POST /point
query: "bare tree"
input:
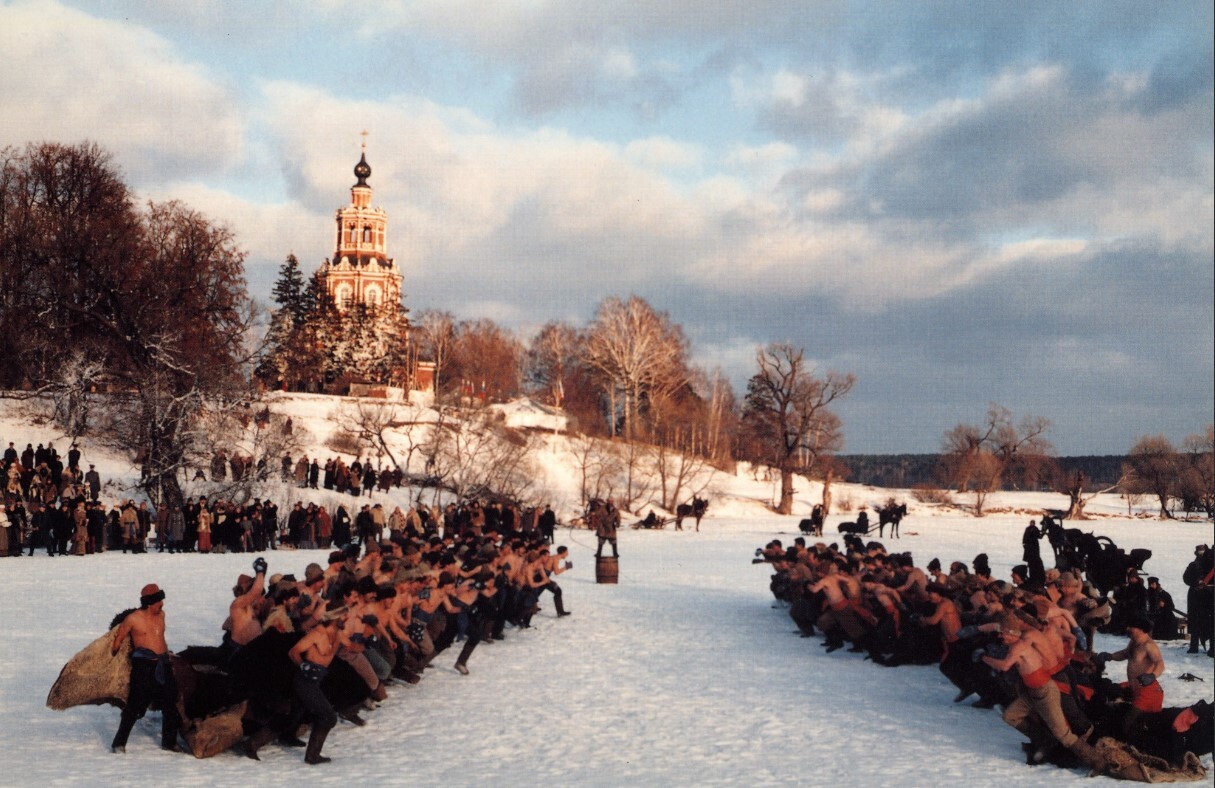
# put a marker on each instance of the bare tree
(1154, 469)
(598, 465)
(680, 474)
(786, 414)
(253, 434)
(487, 359)
(159, 295)
(551, 356)
(1198, 475)
(638, 352)
(436, 332)
(1073, 487)
(480, 456)
(373, 422)
(982, 454)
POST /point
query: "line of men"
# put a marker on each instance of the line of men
(378, 619)
(1026, 647)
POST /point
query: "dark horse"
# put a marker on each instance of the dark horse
(814, 523)
(892, 515)
(696, 509)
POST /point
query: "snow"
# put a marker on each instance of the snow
(529, 414)
(685, 673)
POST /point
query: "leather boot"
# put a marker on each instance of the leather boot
(1089, 756)
(316, 740)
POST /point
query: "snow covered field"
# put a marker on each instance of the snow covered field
(683, 674)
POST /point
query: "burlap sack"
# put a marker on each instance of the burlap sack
(215, 734)
(94, 676)
(1129, 763)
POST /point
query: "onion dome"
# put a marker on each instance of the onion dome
(362, 170)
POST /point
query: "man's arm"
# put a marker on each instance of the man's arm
(1157, 661)
(1014, 656)
(256, 591)
(124, 630)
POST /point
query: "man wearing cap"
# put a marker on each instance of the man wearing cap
(151, 673)
(312, 656)
(244, 623)
(1199, 600)
(1162, 611)
(93, 480)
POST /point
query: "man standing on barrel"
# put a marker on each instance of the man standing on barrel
(607, 520)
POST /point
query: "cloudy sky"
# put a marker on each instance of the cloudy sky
(962, 203)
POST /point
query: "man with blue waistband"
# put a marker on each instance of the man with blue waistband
(151, 673)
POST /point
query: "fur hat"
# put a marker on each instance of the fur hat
(150, 595)
(312, 573)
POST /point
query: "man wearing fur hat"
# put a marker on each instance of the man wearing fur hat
(244, 614)
(151, 673)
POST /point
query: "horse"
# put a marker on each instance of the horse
(891, 515)
(695, 509)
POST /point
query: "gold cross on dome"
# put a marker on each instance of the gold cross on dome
(363, 134)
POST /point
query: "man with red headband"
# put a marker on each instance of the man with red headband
(151, 673)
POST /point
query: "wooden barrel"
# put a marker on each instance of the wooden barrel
(607, 570)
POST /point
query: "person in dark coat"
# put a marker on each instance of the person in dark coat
(1131, 602)
(1031, 553)
(1161, 611)
(341, 526)
(1199, 599)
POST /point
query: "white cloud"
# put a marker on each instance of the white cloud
(664, 153)
(70, 77)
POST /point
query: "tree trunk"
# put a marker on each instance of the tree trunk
(1075, 494)
(786, 492)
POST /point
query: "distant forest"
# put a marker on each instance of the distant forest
(909, 470)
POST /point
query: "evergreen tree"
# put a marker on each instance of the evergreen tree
(289, 292)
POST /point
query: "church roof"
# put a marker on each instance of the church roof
(362, 171)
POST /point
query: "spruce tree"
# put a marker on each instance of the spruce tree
(289, 292)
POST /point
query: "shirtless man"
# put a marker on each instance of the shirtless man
(837, 588)
(554, 565)
(914, 588)
(151, 673)
(1144, 664)
(244, 623)
(1038, 696)
(312, 655)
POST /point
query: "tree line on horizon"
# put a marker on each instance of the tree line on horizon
(151, 304)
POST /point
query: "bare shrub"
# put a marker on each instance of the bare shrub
(925, 493)
(345, 442)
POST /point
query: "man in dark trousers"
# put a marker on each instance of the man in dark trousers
(1199, 599)
(607, 521)
(151, 673)
(1031, 554)
(548, 523)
